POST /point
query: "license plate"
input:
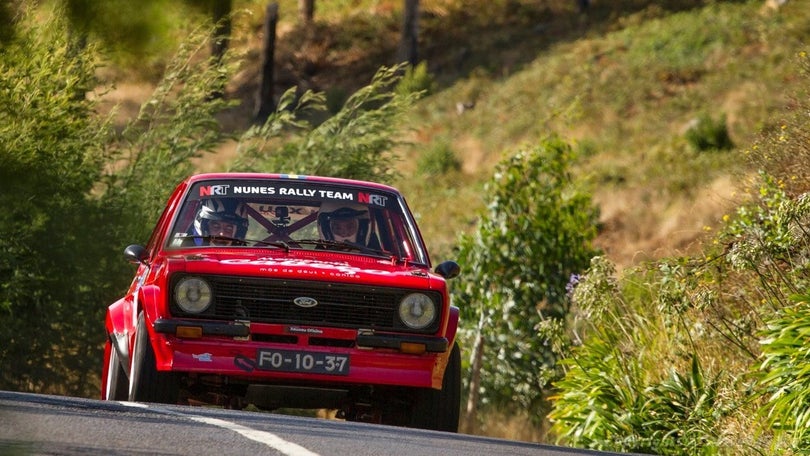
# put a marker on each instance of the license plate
(302, 361)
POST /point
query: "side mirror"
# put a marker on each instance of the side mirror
(448, 269)
(136, 254)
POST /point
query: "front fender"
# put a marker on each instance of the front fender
(151, 302)
(443, 358)
(452, 326)
(119, 327)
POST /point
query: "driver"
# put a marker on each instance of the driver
(221, 222)
(343, 224)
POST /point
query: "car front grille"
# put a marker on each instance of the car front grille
(273, 301)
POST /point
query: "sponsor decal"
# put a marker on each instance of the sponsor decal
(302, 190)
(203, 357)
(214, 190)
(306, 267)
(375, 200)
(300, 330)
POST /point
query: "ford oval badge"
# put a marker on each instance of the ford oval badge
(305, 302)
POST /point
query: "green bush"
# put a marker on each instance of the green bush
(51, 278)
(438, 160)
(785, 376)
(536, 232)
(355, 143)
(709, 133)
(616, 395)
(416, 80)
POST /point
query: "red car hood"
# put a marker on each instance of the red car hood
(306, 265)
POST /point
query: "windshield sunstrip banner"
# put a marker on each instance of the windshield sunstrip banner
(290, 190)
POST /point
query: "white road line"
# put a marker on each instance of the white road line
(266, 438)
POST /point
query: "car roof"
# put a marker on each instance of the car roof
(283, 177)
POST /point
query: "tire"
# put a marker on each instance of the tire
(439, 410)
(117, 384)
(146, 383)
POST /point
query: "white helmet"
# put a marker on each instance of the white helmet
(227, 210)
(345, 222)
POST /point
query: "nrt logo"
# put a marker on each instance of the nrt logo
(214, 190)
(368, 198)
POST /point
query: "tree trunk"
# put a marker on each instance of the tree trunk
(408, 47)
(476, 359)
(306, 11)
(264, 95)
(221, 15)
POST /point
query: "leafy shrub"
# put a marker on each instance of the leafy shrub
(416, 80)
(536, 232)
(53, 233)
(709, 133)
(610, 397)
(785, 375)
(438, 160)
(355, 143)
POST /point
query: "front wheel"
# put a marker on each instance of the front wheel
(146, 383)
(117, 385)
(439, 409)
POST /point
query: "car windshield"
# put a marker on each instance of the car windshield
(296, 214)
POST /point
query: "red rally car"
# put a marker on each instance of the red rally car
(288, 291)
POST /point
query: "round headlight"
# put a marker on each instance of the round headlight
(192, 294)
(417, 311)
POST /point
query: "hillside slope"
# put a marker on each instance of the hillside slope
(624, 96)
(622, 81)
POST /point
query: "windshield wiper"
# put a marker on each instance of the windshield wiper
(345, 246)
(279, 244)
(236, 241)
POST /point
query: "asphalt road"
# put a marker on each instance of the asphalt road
(32, 424)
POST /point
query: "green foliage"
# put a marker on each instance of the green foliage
(600, 401)
(176, 125)
(708, 133)
(355, 143)
(610, 398)
(742, 294)
(535, 234)
(51, 157)
(685, 411)
(136, 35)
(335, 98)
(417, 80)
(768, 241)
(77, 194)
(438, 160)
(786, 372)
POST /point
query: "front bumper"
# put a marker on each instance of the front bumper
(232, 349)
